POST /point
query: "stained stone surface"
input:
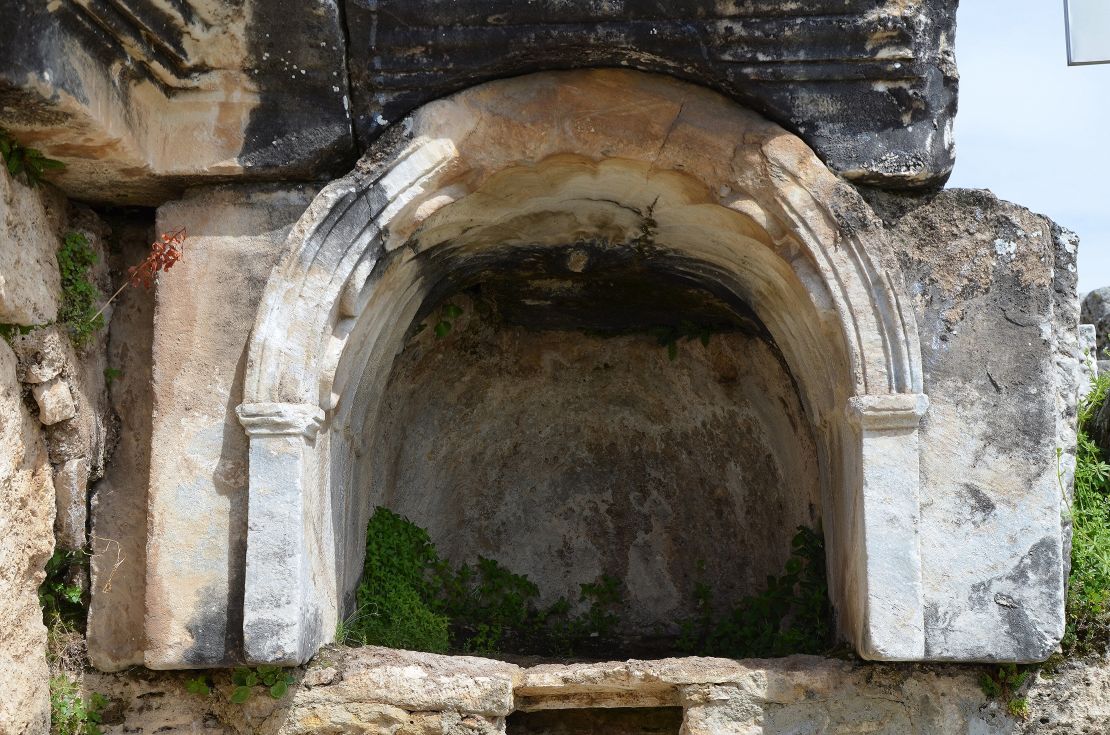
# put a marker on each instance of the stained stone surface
(141, 99)
(870, 85)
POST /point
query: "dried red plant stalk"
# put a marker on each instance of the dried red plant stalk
(164, 252)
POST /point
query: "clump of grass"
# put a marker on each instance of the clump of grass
(79, 294)
(1088, 626)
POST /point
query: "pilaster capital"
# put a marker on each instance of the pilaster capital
(889, 411)
(281, 419)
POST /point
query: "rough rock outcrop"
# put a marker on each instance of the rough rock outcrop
(56, 434)
(26, 542)
(30, 224)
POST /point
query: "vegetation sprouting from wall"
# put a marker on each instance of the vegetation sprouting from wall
(1088, 620)
(409, 597)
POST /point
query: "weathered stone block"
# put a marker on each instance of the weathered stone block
(993, 288)
(54, 400)
(870, 86)
(198, 473)
(140, 99)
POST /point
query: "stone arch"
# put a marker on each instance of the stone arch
(632, 159)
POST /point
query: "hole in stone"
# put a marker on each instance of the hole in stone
(587, 413)
(612, 721)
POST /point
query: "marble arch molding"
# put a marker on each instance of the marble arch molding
(550, 159)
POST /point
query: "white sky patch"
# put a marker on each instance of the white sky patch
(1032, 129)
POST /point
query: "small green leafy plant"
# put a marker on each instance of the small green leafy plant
(198, 685)
(274, 680)
(1003, 684)
(79, 294)
(791, 615)
(448, 313)
(111, 373)
(28, 163)
(70, 712)
(60, 599)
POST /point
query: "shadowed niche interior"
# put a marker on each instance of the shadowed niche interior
(612, 721)
(594, 412)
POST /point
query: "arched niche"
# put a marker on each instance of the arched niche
(726, 198)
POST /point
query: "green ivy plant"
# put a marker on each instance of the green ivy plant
(71, 713)
(27, 163)
(79, 294)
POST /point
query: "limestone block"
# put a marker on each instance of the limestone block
(30, 287)
(26, 542)
(788, 696)
(54, 400)
(423, 682)
(198, 477)
(348, 719)
(71, 485)
(998, 317)
(887, 123)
